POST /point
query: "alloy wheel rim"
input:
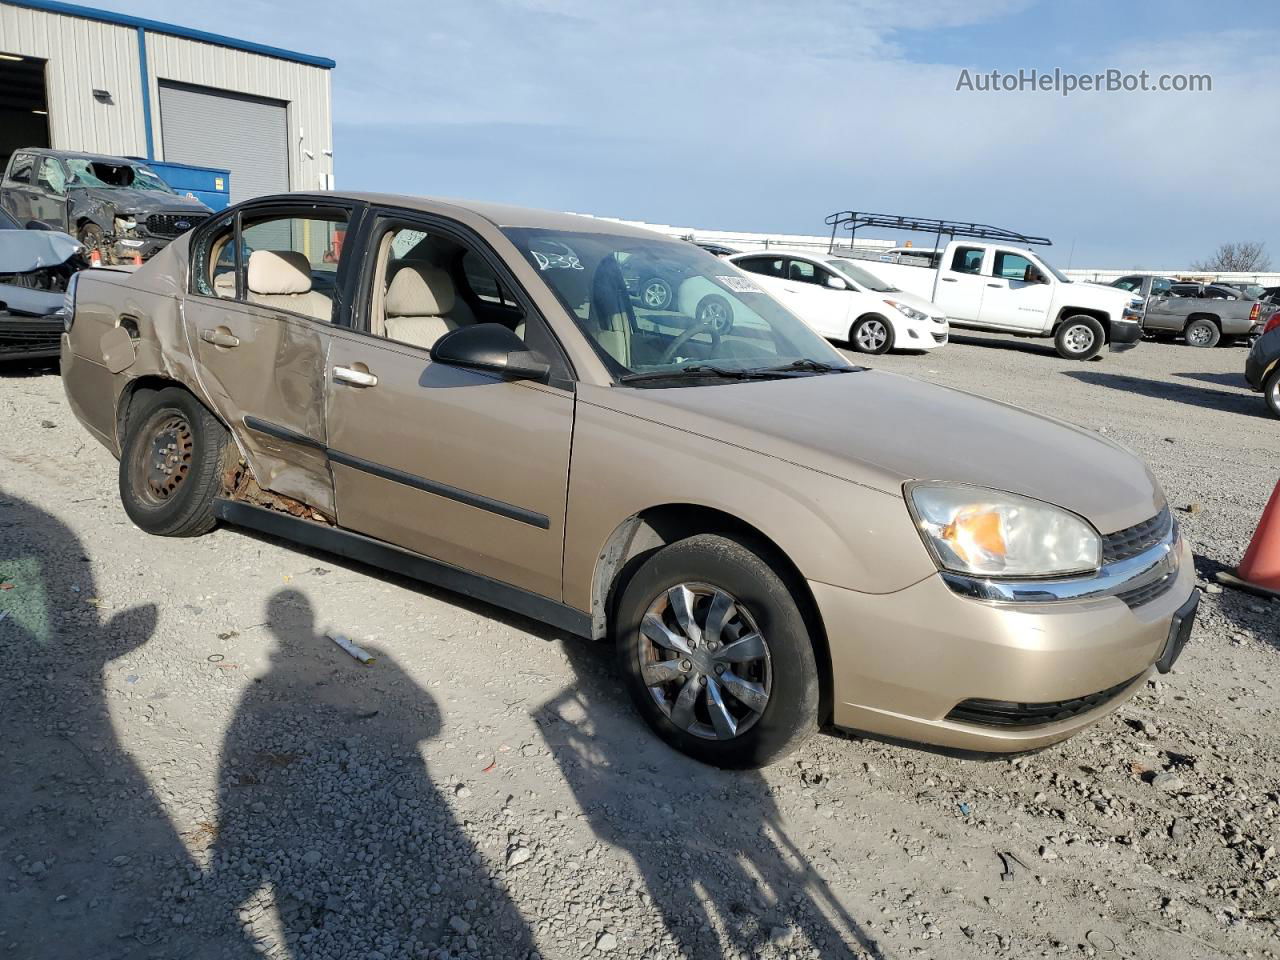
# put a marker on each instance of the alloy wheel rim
(165, 459)
(655, 295)
(1079, 339)
(1198, 335)
(872, 335)
(705, 662)
(715, 315)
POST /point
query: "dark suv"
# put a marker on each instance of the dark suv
(114, 205)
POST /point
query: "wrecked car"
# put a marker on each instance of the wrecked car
(771, 537)
(115, 206)
(36, 267)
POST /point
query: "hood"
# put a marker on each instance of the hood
(916, 302)
(1089, 294)
(24, 251)
(128, 200)
(881, 430)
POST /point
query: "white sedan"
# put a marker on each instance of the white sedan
(840, 299)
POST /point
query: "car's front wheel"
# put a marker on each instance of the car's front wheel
(716, 653)
(1202, 333)
(871, 334)
(1079, 338)
(171, 464)
(656, 293)
(715, 310)
(1271, 391)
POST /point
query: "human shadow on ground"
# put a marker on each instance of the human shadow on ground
(1179, 392)
(82, 835)
(332, 839)
(711, 846)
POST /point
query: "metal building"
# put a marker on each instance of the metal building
(77, 78)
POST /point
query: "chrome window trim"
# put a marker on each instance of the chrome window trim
(1153, 565)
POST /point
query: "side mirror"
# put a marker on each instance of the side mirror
(493, 348)
(837, 283)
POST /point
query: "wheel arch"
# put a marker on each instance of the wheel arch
(1066, 313)
(639, 535)
(1202, 315)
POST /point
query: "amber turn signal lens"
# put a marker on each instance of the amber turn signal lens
(976, 536)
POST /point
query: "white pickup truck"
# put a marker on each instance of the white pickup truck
(991, 286)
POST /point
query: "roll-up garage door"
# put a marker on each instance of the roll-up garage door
(217, 128)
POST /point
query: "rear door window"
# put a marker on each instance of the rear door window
(764, 266)
(967, 260)
(20, 172)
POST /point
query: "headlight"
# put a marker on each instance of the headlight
(911, 312)
(69, 303)
(989, 533)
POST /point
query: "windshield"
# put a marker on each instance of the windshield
(664, 306)
(98, 173)
(1062, 277)
(861, 277)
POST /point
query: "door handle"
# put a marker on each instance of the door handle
(220, 337)
(949, 280)
(994, 285)
(357, 378)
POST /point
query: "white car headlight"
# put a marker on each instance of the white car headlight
(907, 311)
(989, 533)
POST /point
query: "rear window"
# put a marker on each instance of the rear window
(20, 172)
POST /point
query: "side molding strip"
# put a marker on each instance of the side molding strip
(500, 507)
(377, 553)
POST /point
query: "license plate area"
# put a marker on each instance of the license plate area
(1179, 632)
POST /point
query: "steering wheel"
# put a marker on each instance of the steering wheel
(669, 354)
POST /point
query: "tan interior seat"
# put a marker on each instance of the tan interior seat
(224, 285)
(421, 306)
(282, 278)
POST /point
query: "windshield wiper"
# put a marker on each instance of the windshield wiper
(700, 370)
(806, 364)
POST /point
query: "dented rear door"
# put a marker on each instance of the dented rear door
(263, 370)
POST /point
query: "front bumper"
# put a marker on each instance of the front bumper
(29, 338)
(920, 335)
(904, 664)
(1125, 333)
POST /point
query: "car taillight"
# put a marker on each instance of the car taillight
(1255, 313)
(1273, 323)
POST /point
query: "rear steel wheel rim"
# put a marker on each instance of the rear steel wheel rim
(872, 335)
(1079, 339)
(1199, 335)
(164, 458)
(704, 661)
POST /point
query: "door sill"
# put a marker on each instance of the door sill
(387, 556)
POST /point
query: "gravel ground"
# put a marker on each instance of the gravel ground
(192, 769)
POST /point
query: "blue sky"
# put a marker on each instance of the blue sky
(758, 115)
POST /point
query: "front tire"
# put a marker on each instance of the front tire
(1202, 333)
(716, 653)
(171, 464)
(716, 311)
(1271, 391)
(871, 334)
(1079, 338)
(656, 294)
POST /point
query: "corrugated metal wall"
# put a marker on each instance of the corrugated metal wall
(84, 55)
(304, 88)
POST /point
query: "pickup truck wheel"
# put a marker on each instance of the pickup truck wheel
(871, 334)
(171, 464)
(1202, 333)
(1271, 391)
(1079, 338)
(90, 235)
(716, 654)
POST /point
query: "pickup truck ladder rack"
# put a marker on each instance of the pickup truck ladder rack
(851, 220)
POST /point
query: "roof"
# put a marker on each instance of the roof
(502, 215)
(172, 30)
(81, 155)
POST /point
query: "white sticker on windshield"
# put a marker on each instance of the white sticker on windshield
(739, 284)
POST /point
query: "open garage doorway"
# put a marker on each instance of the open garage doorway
(24, 107)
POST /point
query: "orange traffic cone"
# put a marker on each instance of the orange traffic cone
(1259, 571)
(137, 259)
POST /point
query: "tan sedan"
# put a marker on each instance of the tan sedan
(772, 537)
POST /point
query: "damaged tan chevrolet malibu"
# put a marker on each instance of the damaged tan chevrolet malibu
(772, 538)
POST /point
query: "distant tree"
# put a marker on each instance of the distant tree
(1246, 257)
